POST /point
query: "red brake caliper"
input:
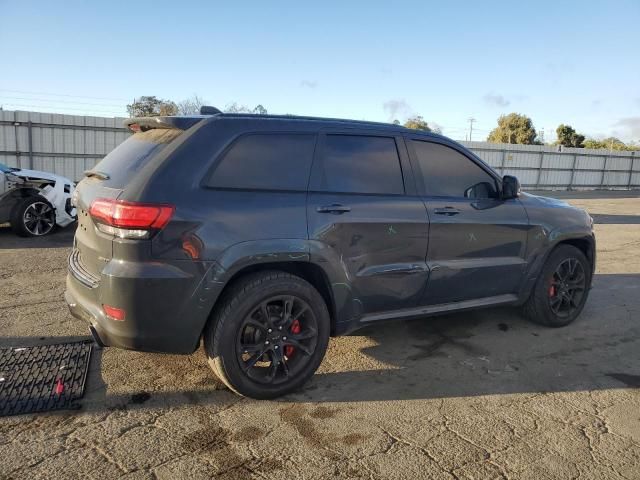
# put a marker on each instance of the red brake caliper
(552, 290)
(295, 328)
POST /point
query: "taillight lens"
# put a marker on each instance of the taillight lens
(114, 313)
(130, 219)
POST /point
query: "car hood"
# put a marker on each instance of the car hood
(546, 201)
(554, 212)
(38, 175)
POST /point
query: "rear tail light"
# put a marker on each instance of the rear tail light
(114, 313)
(130, 219)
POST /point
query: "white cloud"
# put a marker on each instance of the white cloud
(397, 108)
(309, 83)
(496, 100)
(630, 128)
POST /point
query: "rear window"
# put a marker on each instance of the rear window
(361, 164)
(134, 153)
(266, 162)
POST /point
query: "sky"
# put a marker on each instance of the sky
(572, 62)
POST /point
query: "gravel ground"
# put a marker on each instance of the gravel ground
(473, 395)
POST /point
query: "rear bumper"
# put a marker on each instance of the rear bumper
(166, 307)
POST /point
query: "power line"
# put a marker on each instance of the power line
(60, 95)
(59, 110)
(31, 99)
(471, 120)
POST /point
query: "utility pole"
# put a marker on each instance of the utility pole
(542, 136)
(471, 120)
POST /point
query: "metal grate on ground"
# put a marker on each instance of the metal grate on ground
(43, 378)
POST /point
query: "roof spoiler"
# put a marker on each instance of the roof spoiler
(209, 110)
(142, 124)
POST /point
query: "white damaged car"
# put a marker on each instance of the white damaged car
(35, 202)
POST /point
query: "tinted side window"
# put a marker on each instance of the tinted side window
(270, 161)
(448, 173)
(361, 164)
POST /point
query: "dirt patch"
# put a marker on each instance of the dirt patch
(246, 434)
(354, 439)
(207, 438)
(324, 412)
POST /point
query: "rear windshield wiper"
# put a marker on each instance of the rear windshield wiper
(97, 174)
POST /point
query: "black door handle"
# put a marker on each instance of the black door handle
(446, 211)
(335, 208)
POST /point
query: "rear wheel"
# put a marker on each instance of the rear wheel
(33, 217)
(562, 288)
(268, 336)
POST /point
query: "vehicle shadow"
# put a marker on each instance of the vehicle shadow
(607, 219)
(486, 352)
(496, 351)
(59, 238)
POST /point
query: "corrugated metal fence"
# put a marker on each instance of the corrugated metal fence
(63, 144)
(544, 167)
(70, 144)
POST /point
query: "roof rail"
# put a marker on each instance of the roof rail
(209, 110)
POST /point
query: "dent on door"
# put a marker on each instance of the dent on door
(477, 252)
(374, 255)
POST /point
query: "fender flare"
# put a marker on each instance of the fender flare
(555, 237)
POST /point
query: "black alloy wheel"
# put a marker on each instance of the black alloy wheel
(567, 287)
(268, 334)
(277, 339)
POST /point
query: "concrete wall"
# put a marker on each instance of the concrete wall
(70, 144)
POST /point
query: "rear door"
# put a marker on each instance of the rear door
(364, 214)
(477, 241)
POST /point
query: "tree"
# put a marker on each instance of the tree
(237, 108)
(260, 110)
(151, 106)
(417, 123)
(610, 143)
(396, 122)
(514, 128)
(568, 137)
(191, 106)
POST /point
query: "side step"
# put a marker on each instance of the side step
(441, 308)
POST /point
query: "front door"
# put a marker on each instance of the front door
(477, 241)
(366, 224)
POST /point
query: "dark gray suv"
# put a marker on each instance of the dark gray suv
(265, 235)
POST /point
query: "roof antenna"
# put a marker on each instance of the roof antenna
(208, 110)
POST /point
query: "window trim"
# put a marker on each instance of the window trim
(420, 185)
(235, 139)
(318, 161)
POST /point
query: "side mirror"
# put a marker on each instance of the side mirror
(510, 187)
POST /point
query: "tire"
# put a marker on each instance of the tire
(239, 330)
(548, 291)
(23, 214)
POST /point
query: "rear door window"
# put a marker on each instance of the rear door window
(134, 153)
(360, 164)
(266, 161)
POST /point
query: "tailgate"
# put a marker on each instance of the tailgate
(92, 249)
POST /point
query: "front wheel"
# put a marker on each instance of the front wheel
(33, 217)
(562, 288)
(268, 336)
